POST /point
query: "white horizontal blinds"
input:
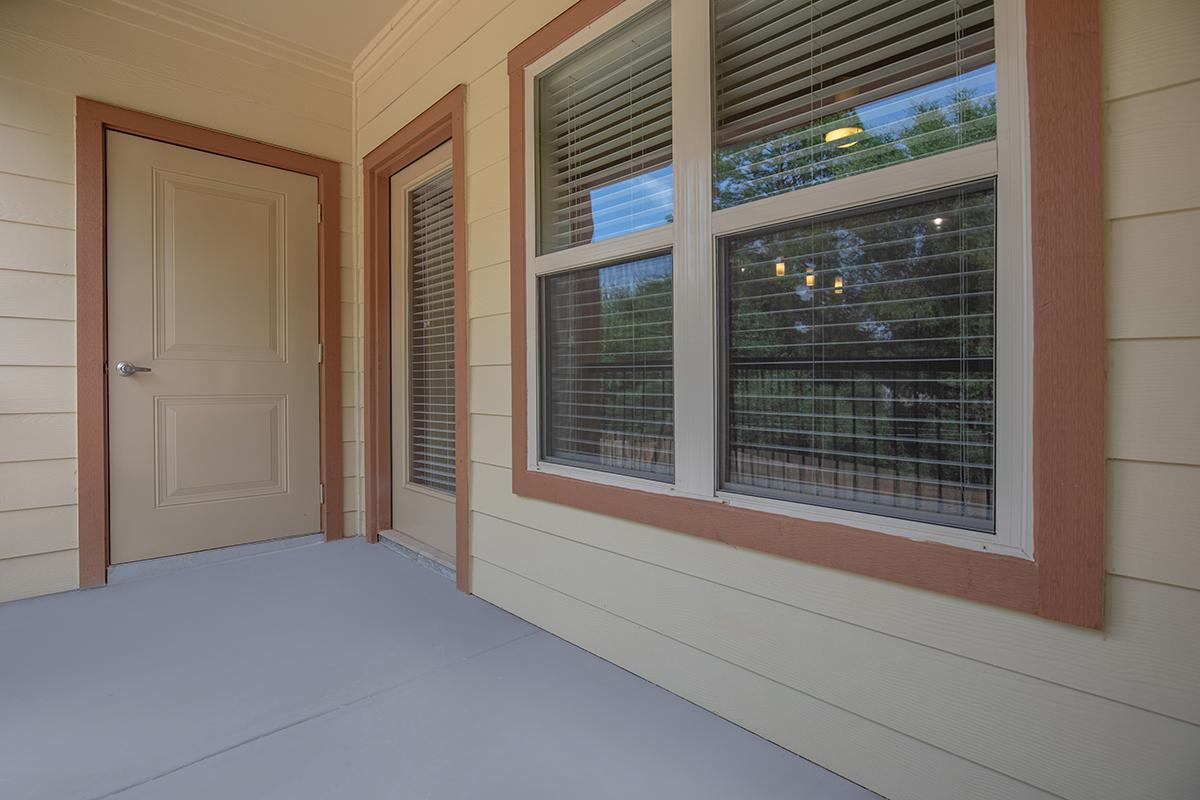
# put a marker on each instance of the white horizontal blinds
(807, 91)
(607, 380)
(860, 358)
(604, 136)
(431, 333)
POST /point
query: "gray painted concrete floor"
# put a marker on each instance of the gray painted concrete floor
(344, 671)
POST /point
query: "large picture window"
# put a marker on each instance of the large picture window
(786, 272)
(862, 213)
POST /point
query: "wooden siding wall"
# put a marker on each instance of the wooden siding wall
(913, 694)
(178, 65)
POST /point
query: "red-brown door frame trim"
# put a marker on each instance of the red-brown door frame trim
(443, 121)
(1065, 581)
(92, 120)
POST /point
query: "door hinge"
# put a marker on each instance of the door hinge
(320, 352)
(321, 486)
(320, 213)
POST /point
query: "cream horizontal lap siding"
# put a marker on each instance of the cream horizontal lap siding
(194, 69)
(913, 694)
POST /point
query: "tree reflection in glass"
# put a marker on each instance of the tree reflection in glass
(607, 377)
(946, 115)
(863, 376)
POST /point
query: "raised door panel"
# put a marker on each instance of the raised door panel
(220, 448)
(219, 247)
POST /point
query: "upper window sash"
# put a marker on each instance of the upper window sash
(602, 117)
(811, 92)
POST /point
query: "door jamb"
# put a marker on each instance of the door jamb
(92, 120)
(443, 121)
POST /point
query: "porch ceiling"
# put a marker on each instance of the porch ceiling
(340, 30)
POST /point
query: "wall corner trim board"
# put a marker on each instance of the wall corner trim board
(1065, 580)
(444, 121)
(92, 120)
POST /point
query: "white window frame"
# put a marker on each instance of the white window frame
(692, 240)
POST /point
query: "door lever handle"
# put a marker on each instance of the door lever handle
(125, 369)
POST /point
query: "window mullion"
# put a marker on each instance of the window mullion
(695, 337)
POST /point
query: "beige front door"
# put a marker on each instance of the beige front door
(423, 423)
(212, 286)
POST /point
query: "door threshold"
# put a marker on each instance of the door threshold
(120, 573)
(429, 557)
